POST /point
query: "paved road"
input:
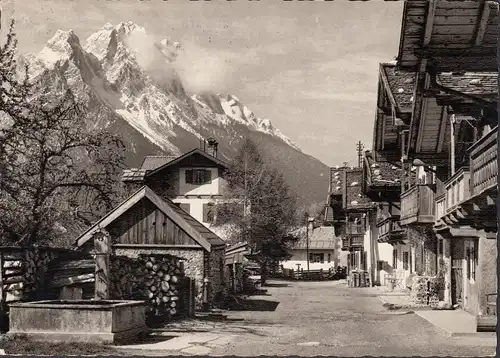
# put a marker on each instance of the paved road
(319, 318)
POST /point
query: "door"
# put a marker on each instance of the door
(457, 278)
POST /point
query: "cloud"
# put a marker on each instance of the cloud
(362, 97)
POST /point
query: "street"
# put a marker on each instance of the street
(314, 318)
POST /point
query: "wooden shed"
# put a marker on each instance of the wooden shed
(145, 224)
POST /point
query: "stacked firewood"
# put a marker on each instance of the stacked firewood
(161, 277)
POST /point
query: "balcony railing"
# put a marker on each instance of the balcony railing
(440, 206)
(457, 189)
(483, 163)
(389, 227)
(356, 241)
(355, 229)
(417, 205)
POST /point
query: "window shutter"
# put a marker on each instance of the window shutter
(208, 176)
(189, 176)
(186, 207)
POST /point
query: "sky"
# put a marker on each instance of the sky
(309, 67)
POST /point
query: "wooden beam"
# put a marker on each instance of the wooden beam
(429, 21)
(482, 25)
(442, 130)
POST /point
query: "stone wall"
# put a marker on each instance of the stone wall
(486, 271)
(218, 288)
(193, 264)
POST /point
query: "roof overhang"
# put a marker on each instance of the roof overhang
(449, 35)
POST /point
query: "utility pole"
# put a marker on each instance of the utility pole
(359, 149)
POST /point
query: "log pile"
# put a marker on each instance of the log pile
(157, 279)
(162, 276)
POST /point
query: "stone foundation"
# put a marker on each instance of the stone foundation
(419, 290)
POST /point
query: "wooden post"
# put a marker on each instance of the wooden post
(2, 295)
(447, 273)
(102, 247)
(452, 143)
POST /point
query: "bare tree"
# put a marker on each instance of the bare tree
(55, 163)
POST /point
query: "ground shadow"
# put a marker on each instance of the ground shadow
(252, 305)
(146, 339)
(276, 285)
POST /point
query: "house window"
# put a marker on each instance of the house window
(395, 259)
(317, 258)
(329, 257)
(208, 213)
(406, 260)
(198, 176)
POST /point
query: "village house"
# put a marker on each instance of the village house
(445, 142)
(322, 246)
(394, 259)
(194, 181)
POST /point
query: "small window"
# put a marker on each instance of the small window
(329, 257)
(395, 259)
(198, 176)
(317, 258)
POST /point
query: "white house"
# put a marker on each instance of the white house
(194, 181)
(324, 249)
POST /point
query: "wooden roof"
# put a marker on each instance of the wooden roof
(380, 173)
(321, 238)
(451, 35)
(196, 230)
(354, 198)
(399, 85)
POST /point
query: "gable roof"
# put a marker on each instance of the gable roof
(196, 230)
(322, 237)
(216, 161)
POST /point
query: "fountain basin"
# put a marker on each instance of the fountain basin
(96, 321)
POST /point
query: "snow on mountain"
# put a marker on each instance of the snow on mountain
(130, 81)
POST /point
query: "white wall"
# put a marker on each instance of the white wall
(300, 257)
(385, 254)
(195, 207)
(212, 188)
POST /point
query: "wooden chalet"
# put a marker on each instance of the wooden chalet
(145, 223)
(451, 143)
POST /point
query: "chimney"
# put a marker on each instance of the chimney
(212, 147)
(310, 223)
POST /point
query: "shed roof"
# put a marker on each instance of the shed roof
(473, 83)
(400, 83)
(354, 198)
(199, 232)
(133, 175)
(381, 172)
(321, 238)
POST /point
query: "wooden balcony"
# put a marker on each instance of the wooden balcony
(483, 164)
(450, 210)
(390, 230)
(418, 205)
(356, 241)
(481, 204)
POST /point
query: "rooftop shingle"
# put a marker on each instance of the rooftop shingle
(401, 84)
(152, 162)
(474, 83)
